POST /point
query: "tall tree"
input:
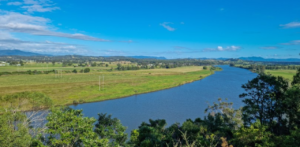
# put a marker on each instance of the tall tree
(296, 78)
(265, 101)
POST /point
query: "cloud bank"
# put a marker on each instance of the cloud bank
(7, 41)
(221, 49)
(21, 23)
(32, 6)
(291, 25)
(270, 47)
(294, 42)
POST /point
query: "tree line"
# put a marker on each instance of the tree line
(36, 72)
(70, 60)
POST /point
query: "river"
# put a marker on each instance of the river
(175, 104)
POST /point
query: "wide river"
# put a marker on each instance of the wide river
(175, 104)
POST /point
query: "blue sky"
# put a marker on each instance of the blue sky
(169, 28)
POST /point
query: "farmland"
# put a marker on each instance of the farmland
(287, 74)
(69, 88)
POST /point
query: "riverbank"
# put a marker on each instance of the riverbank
(285, 73)
(84, 88)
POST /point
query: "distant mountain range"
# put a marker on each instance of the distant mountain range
(22, 53)
(269, 59)
(18, 53)
(260, 59)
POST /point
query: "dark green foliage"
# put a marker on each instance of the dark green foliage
(292, 140)
(94, 64)
(199, 133)
(255, 135)
(152, 134)
(111, 128)
(22, 63)
(292, 103)
(265, 101)
(86, 70)
(26, 72)
(74, 71)
(296, 78)
(257, 68)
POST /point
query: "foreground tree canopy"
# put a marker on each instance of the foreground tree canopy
(270, 117)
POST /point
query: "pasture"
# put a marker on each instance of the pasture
(84, 87)
(287, 74)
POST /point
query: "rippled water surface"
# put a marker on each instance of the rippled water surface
(176, 104)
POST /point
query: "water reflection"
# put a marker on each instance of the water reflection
(175, 104)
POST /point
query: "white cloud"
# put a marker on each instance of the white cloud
(5, 35)
(34, 2)
(39, 6)
(32, 6)
(291, 25)
(14, 3)
(294, 42)
(9, 42)
(165, 25)
(220, 48)
(16, 22)
(270, 47)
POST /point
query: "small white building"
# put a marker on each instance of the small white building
(149, 65)
(2, 63)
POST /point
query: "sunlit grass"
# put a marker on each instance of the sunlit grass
(287, 74)
(85, 86)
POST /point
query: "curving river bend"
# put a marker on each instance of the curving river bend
(175, 104)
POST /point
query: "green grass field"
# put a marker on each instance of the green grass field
(50, 66)
(85, 86)
(287, 74)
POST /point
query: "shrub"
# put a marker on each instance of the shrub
(75, 102)
(81, 101)
(86, 70)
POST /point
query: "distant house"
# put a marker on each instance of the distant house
(2, 63)
(150, 65)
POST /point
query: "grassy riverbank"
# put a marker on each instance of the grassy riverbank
(84, 87)
(287, 74)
